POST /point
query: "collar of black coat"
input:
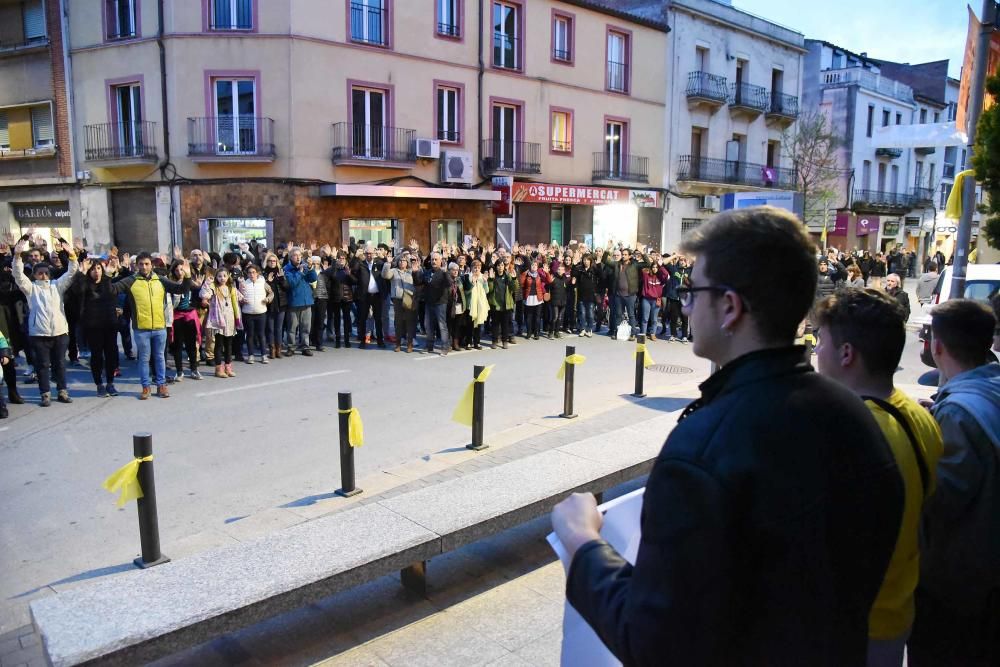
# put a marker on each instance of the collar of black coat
(752, 367)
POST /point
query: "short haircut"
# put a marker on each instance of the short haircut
(143, 255)
(965, 328)
(870, 320)
(780, 289)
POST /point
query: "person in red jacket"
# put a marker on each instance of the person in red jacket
(652, 280)
(533, 288)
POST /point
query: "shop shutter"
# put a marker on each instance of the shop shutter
(34, 20)
(133, 212)
(41, 125)
(4, 132)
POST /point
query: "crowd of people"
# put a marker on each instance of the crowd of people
(255, 304)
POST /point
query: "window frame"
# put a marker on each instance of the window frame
(211, 76)
(459, 21)
(553, 110)
(136, 20)
(627, 37)
(388, 91)
(519, 122)
(208, 7)
(111, 87)
(459, 88)
(570, 19)
(52, 127)
(519, 50)
(387, 7)
(623, 150)
(870, 121)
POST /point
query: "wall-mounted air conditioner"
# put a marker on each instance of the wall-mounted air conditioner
(456, 167)
(428, 148)
(709, 203)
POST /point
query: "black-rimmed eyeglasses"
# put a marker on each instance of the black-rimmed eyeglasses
(686, 294)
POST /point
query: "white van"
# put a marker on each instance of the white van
(982, 281)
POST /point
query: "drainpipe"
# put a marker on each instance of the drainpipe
(479, 93)
(68, 85)
(174, 235)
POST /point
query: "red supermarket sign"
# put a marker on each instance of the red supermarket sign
(545, 193)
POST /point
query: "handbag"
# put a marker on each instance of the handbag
(408, 303)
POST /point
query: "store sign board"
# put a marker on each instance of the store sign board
(840, 225)
(546, 193)
(48, 213)
(643, 198)
(868, 224)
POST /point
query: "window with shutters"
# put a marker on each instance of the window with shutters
(33, 17)
(4, 132)
(41, 127)
(121, 19)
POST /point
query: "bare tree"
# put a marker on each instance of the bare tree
(812, 146)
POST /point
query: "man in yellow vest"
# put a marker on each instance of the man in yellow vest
(147, 294)
(861, 337)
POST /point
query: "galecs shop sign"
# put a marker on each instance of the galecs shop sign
(544, 193)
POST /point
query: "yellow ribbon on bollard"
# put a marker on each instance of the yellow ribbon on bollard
(355, 429)
(463, 411)
(647, 360)
(571, 359)
(126, 480)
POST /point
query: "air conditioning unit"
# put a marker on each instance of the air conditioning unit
(456, 167)
(428, 148)
(709, 203)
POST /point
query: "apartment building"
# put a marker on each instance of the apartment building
(36, 164)
(733, 87)
(315, 120)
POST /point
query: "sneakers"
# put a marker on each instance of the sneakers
(144, 395)
(3, 411)
(63, 396)
(179, 377)
(249, 360)
(101, 391)
(46, 400)
(306, 352)
(195, 375)
(162, 392)
(31, 379)
(263, 359)
(631, 339)
(583, 334)
(112, 391)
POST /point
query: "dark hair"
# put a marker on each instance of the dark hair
(870, 320)
(41, 266)
(782, 286)
(143, 255)
(965, 328)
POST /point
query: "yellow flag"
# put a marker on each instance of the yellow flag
(647, 360)
(953, 209)
(126, 480)
(463, 411)
(571, 359)
(355, 429)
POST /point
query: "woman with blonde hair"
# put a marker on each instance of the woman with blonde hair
(223, 318)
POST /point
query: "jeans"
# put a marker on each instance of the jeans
(299, 321)
(437, 312)
(254, 327)
(650, 311)
(103, 344)
(151, 344)
(585, 316)
(556, 318)
(620, 304)
(49, 352)
(272, 326)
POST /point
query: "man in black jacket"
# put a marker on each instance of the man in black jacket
(436, 292)
(368, 295)
(773, 508)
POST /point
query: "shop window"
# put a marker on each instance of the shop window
(226, 234)
(556, 226)
(371, 230)
(448, 231)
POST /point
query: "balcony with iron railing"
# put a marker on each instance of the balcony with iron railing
(617, 167)
(891, 153)
(120, 144)
(880, 201)
(23, 46)
(369, 24)
(511, 157)
(783, 106)
(506, 54)
(231, 138)
(617, 77)
(732, 172)
(448, 30)
(703, 87)
(848, 76)
(924, 150)
(748, 98)
(922, 196)
(373, 145)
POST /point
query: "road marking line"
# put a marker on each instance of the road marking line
(270, 384)
(438, 355)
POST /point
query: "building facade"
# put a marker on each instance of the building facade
(208, 122)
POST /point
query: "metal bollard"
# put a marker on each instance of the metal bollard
(567, 412)
(478, 408)
(640, 368)
(347, 486)
(149, 530)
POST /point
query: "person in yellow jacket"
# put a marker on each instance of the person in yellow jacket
(861, 338)
(147, 294)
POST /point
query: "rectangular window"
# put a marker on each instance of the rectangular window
(945, 193)
(562, 38)
(33, 21)
(618, 62)
(121, 19)
(895, 178)
(866, 175)
(235, 116)
(920, 172)
(937, 116)
(374, 231)
(899, 119)
(127, 123)
(615, 139)
(871, 120)
(505, 132)
(448, 18)
(449, 114)
(923, 116)
(370, 22)
(881, 177)
(41, 126)
(4, 132)
(701, 58)
(562, 131)
(369, 113)
(448, 231)
(773, 153)
(930, 174)
(506, 35)
(885, 118)
(232, 15)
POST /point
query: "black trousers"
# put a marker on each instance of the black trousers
(501, 325)
(342, 320)
(223, 349)
(406, 322)
(254, 330)
(371, 303)
(317, 332)
(103, 344)
(49, 353)
(532, 320)
(185, 338)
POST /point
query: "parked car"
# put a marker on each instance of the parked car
(982, 281)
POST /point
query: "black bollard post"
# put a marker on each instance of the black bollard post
(149, 529)
(347, 487)
(640, 368)
(567, 412)
(478, 408)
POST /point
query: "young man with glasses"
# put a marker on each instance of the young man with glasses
(771, 513)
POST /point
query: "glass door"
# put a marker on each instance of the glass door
(614, 137)
(368, 132)
(504, 35)
(129, 120)
(236, 123)
(504, 135)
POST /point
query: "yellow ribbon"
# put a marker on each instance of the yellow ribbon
(647, 360)
(355, 429)
(126, 480)
(571, 359)
(463, 411)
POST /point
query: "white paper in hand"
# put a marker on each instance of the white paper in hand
(581, 647)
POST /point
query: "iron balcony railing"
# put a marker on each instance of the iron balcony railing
(847, 76)
(514, 157)
(379, 143)
(561, 55)
(891, 153)
(615, 167)
(707, 86)
(748, 96)
(733, 172)
(617, 77)
(924, 150)
(882, 199)
(29, 43)
(231, 136)
(505, 51)
(368, 24)
(448, 29)
(922, 195)
(135, 140)
(562, 146)
(784, 105)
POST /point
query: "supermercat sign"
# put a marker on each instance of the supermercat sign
(546, 193)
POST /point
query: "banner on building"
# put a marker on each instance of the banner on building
(867, 224)
(546, 193)
(43, 213)
(644, 198)
(843, 221)
(503, 185)
(965, 85)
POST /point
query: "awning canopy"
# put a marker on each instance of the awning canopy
(405, 192)
(919, 136)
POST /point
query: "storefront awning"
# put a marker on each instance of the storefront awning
(401, 192)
